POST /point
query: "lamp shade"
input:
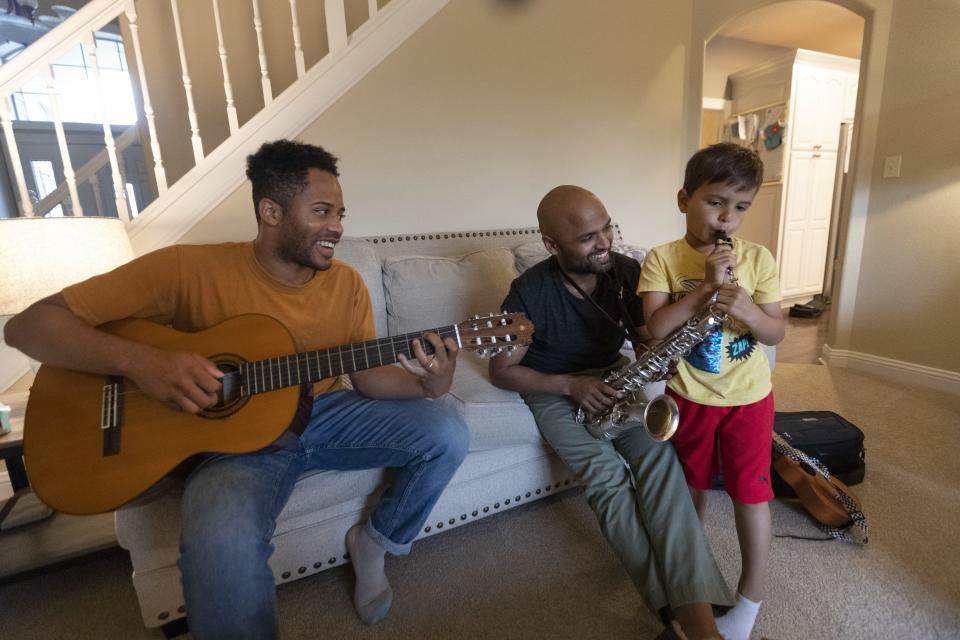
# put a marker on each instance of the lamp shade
(41, 256)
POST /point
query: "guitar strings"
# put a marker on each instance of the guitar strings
(398, 344)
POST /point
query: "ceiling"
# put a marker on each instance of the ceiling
(801, 24)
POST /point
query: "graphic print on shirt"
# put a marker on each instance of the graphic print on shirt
(705, 356)
(741, 347)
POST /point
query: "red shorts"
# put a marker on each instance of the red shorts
(735, 440)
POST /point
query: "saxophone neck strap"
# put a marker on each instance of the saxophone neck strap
(626, 325)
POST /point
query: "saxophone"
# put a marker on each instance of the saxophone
(659, 416)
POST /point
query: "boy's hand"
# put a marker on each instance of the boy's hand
(719, 264)
(736, 303)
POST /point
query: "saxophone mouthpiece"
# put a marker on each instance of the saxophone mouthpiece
(722, 239)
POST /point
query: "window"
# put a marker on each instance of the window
(46, 183)
(78, 98)
(132, 201)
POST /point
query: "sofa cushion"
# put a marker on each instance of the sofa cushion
(495, 417)
(528, 254)
(360, 255)
(427, 291)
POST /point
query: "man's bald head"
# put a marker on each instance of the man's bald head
(565, 209)
(576, 229)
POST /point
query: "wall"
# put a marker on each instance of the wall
(725, 56)
(910, 274)
(491, 104)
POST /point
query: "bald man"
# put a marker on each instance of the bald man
(577, 298)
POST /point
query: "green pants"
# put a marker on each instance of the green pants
(650, 522)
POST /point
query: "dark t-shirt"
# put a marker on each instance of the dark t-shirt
(571, 334)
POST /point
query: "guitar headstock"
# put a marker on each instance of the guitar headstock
(489, 335)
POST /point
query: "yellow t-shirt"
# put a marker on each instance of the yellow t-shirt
(193, 287)
(724, 370)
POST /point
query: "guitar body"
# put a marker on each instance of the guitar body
(64, 444)
(815, 492)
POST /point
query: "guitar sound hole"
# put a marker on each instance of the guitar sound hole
(810, 471)
(230, 397)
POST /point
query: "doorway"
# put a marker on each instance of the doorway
(782, 79)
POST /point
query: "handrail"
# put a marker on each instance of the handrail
(57, 42)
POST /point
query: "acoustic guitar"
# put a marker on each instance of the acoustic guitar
(819, 495)
(93, 443)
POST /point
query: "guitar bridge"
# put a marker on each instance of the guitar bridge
(111, 415)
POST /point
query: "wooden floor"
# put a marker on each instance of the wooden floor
(804, 339)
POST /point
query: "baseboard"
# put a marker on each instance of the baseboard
(896, 370)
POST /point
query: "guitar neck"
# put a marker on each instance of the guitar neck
(262, 376)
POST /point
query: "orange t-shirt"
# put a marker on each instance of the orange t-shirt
(193, 287)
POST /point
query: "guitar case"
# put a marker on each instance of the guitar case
(824, 435)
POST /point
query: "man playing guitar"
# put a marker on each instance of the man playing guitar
(288, 272)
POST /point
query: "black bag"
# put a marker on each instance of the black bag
(826, 436)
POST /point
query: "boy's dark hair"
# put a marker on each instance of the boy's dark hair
(724, 162)
(278, 170)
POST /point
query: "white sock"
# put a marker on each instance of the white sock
(737, 623)
(372, 594)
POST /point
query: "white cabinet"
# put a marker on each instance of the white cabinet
(850, 96)
(818, 103)
(806, 221)
(816, 92)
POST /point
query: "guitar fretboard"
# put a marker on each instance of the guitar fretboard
(308, 367)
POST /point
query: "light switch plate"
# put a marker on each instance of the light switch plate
(891, 166)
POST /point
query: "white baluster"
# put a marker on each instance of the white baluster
(262, 52)
(95, 185)
(119, 194)
(159, 172)
(336, 24)
(187, 86)
(6, 119)
(227, 87)
(68, 174)
(372, 8)
(297, 48)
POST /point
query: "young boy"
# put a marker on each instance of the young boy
(723, 387)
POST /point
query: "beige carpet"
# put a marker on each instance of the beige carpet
(544, 571)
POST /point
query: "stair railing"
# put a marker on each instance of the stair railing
(37, 60)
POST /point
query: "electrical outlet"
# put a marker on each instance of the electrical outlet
(891, 166)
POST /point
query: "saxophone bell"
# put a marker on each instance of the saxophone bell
(659, 418)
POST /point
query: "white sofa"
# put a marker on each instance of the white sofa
(415, 282)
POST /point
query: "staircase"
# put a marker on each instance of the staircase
(184, 172)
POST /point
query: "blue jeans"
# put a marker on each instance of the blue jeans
(231, 502)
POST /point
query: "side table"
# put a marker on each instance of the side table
(23, 507)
